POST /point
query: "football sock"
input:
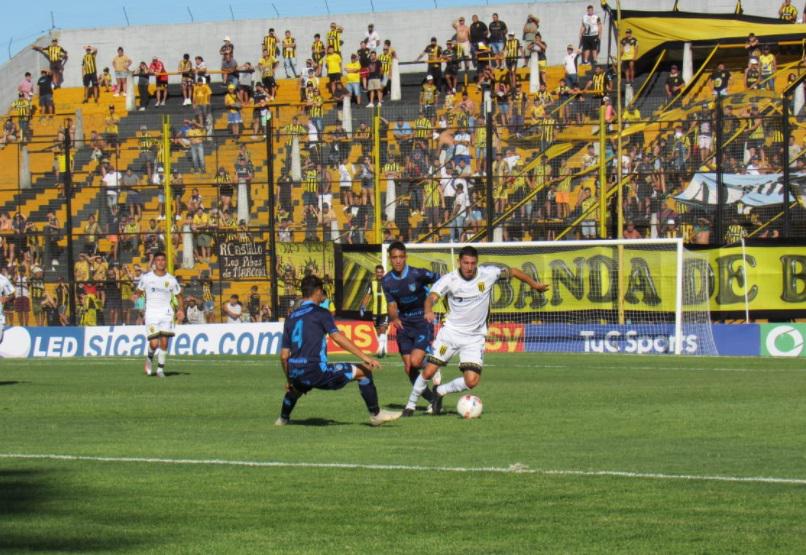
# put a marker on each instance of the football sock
(420, 386)
(382, 342)
(161, 360)
(453, 386)
(151, 353)
(369, 393)
(289, 402)
(425, 393)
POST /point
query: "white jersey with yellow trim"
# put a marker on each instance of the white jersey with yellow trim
(468, 299)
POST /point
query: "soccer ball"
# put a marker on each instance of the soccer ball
(469, 406)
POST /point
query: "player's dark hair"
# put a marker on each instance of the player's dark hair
(379, 266)
(469, 251)
(309, 285)
(160, 253)
(397, 246)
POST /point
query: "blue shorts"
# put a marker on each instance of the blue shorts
(335, 375)
(415, 336)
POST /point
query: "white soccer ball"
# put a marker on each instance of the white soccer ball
(469, 406)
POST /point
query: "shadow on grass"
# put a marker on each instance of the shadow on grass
(169, 374)
(29, 498)
(316, 422)
(399, 406)
(10, 383)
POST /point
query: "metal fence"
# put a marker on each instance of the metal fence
(249, 208)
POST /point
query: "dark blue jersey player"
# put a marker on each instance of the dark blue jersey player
(406, 289)
(304, 357)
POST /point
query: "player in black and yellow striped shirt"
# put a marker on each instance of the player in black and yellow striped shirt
(318, 53)
(22, 106)
(89, 72)
(289, 55)
(270, 43)
(385, 58)
(334, 38)
(310, 187)
(787, 12)
(57, 57)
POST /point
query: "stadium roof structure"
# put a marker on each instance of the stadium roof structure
(656, 30)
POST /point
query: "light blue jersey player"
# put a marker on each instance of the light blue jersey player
(406, 289)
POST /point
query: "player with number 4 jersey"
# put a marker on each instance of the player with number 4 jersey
(304, 357)
(468, 291)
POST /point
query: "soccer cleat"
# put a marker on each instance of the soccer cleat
(160, 374)
(281, 421)
(429, 409)
(382, 417)
(436, 404)
(407, 412)
(148, 367)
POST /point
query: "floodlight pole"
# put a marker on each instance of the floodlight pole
(619, 124)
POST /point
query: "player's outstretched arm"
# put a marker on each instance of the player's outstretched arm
(344, 342)
(528, 280)
(180, 308)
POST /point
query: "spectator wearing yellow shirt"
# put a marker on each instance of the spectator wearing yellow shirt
(233, 110)
(200, 227)
(333, 64)
(353, 69)
(289, 55)
(768, 68)
(111, 129)
(196, 135)
(201, 102)
(428, 97)
(267, 66)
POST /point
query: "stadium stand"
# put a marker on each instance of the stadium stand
(474, 149)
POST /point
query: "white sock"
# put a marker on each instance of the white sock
(453, 386)
(382, 342)
(161, 360)
(419, 386)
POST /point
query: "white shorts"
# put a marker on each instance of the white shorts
(469, 346)
(159, 326)
(704, 141)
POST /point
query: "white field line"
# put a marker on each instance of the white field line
(516, 468)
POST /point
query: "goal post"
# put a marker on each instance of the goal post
(619, 295)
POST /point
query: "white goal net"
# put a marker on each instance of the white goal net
(630, 296)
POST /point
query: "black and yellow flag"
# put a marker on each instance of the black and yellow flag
(739, 10)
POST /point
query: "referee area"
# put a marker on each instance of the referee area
(621, 452)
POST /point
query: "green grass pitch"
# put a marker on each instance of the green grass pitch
(438, 484)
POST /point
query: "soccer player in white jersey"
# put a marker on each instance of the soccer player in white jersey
(162, 291)
(6, 294)
(468, 291)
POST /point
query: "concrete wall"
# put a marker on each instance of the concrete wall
(408, 31)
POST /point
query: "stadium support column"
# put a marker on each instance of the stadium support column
(25, 166)
(602, 188)
(376, 163)
(716, 236)
(489, 173)
(169, 213)
(130, 104)
(534, 73)
(688, 63)
(68, 222)
(787, 131)
(272, 212)
(395, 92)
(347, 114)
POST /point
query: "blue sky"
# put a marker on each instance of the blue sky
(25, 25)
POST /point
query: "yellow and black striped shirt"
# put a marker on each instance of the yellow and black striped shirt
(289, 48)
(422, 128)
(316, 110)
(88, 66)
(311, 182)
(55, 53)
(186, 68)
(22, 107)
(391, 167)
(147, 142)
(292, 130)
(789, 14)
(270, 44)
(378, 298)
(386, 63)
(512, 49)
(598, 82)
(318, 50)
(334, 40)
